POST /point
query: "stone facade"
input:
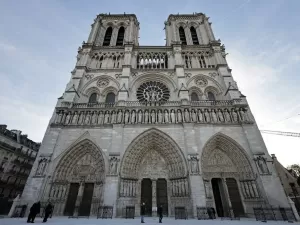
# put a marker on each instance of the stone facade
(170, 115)
(17, 155)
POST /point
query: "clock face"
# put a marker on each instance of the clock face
(153, 91)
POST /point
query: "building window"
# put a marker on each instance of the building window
(211, 96)
(107, 36)
(93, 98)
(182, 36)
(194, 97)
(120, 37)
(194, 36)
(110, 98)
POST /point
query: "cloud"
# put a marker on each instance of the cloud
(7, 48)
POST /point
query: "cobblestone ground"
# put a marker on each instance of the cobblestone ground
(151, 220)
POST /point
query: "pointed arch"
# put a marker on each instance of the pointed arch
(222, 155)
(194, 36)
(83, 159)
(182, 36)
(163, 144)
(120, 37)
(107, 36)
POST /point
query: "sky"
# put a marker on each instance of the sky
(39, 42)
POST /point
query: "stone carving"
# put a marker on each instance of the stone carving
(194, 164)
(134, 74)
(187, 75)
(153, 117)
(166, 116)
(100, 118)
(213, 74)
(106, 117)
(114, 165)
(118, 75)
(186, 116)
(179, 116)
(207, 116)
(146, 116)
(201, 82)
(126, 116)
(153, 91)
(89, 76)
(113, 117)
(140, 116)
(262, 165)
(208, 189)
(173, 120)
(87, 118)
(133, 117)
(41, 167)
(120, 116)
(102, 82)
(234, 115)
(214, 116)
(159, 116)
(250, 189)
(94, 118)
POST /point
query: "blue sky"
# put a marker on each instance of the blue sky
(39, 41)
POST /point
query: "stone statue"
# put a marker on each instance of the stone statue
(68, 118)
(179, 116)
(166, 116)
(106, 117)
(262, 164)
(58, 117)
(194, 164)
(207, 116)
(126, 117)
(194, 117)
(146, 116)
(159, 116)
(227, 115)
(87, 118)
(113, 166)
(41, 167)
(234, 115)
(120, 116)
(113, 117)
(173, 120)
(200, 116)
(153, 115)
(132, 116)
(140, 116)
(100, 118)
(186, 115)
(80, 119)
(75, 117)
(94, 117)
(220, 115)
(214, 116)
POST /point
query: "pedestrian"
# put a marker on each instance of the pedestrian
(34, 210)
(48, 211)
(160, 213)
(143, 211)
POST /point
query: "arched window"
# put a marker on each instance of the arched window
(93, 98)
(120, 38)
(107, 36)
(110, 98)
(194, 97)
(194, 36)
(182, 35)
(211, 96)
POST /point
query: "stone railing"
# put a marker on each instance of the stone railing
(213, 112)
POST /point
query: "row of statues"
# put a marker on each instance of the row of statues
(128, 188)
(154, 116)
(180, 187)
(249, 189)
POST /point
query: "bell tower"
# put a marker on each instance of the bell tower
(114, 30)
(189, 29)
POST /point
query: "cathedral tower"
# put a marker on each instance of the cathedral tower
(163, 125)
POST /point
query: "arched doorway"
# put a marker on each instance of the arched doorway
(225, 167)
(154, 171)
(76, 188)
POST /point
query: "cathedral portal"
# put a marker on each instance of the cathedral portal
(154, 171)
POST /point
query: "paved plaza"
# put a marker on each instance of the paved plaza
(115, 221)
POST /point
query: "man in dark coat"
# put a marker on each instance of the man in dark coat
(143, 211)
(48, 211)
(160, 213)
(34, 210)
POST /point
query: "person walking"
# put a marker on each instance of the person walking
(160, 213)
(48, 211)
(34, 210)
(143, 211)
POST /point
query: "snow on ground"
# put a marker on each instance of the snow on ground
(149, 220)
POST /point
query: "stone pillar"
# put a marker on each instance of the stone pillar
(15, 203)
(94, 31)
(227, 202)
(154, 200)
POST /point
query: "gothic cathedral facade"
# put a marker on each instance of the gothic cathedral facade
(160, 125)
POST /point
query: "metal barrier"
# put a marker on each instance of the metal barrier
(129, 212)
(19, 211)
(230, 215)
(274, 213)
(105, 212)
(202, 213)
(180, 213)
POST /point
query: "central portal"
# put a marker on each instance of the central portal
(146, 196)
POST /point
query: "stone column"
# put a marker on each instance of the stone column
(154, 200)
(227, 203)
(94, 31)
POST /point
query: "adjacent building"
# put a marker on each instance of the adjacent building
(17, 155)
(160, 125)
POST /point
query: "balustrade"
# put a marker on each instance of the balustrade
(152, 59)
(214, 112)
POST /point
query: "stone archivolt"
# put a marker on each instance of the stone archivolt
(223, 157)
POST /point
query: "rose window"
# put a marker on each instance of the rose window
(153, 91)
